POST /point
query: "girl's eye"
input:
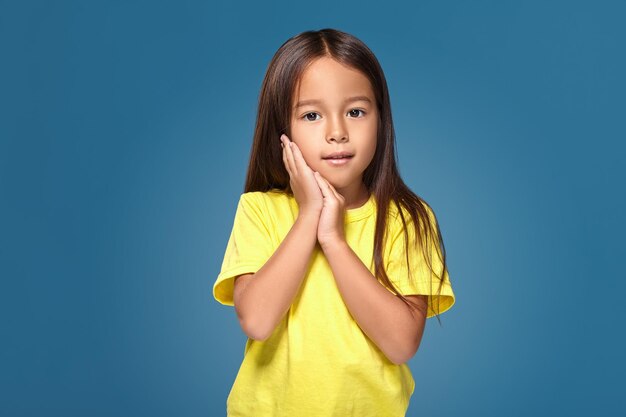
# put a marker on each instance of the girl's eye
(357, 110)
(354, 113)
(307, 116)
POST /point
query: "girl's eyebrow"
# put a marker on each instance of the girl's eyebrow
(348, 100)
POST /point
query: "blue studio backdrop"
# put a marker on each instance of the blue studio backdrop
(125, 132)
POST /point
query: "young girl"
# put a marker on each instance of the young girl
(333, 263)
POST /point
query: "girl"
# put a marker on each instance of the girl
(331, 282)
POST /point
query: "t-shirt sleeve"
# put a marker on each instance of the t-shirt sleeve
(422, 281)
(249, 246)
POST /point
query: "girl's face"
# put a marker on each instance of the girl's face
(335, 111)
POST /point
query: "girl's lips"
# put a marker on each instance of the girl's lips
(338, 162)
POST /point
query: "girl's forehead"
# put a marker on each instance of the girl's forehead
(324, 71)
(327, 79)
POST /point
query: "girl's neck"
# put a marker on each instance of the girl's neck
(354, 196)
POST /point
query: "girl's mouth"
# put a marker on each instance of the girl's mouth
(338, 161)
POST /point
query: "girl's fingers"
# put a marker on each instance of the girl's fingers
(319, 183)
(298, 158)
(290, 158)
(331, 189)
(285, 161)
(326, 192)
(330, 186)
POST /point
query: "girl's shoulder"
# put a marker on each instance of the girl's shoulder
(267, 201)
(273, 195)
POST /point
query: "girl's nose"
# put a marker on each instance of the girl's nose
(336, 131)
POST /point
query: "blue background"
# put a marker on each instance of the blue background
(125, 134)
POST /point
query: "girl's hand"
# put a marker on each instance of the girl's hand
(330, 227)
(303, 184)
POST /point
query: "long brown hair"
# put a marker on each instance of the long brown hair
(266, 169)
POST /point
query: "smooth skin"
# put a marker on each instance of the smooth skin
(262, 299)
(335, 110)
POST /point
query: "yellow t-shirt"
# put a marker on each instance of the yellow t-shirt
(318, 362)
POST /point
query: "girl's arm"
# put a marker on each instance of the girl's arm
(394, 327)
(262, 299)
